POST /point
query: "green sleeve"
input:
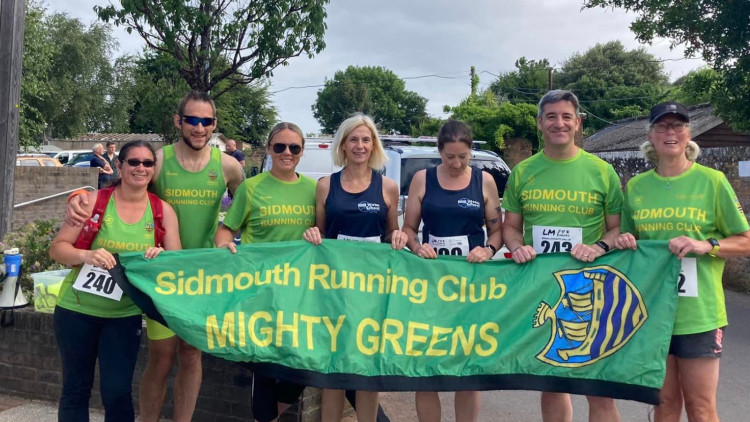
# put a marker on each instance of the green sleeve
(239, 211)
(614, 201)
(627, 225)
(511, 200)
(730, 218)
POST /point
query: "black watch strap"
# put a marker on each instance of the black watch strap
(492, 248)
(602, 244)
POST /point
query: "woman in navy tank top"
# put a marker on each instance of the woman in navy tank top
(356, 204)
(454, 201)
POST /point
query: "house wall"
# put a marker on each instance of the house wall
(726, 159)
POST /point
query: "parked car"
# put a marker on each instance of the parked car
(36, 160)
(67, 157)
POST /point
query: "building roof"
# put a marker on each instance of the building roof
(629, 134)
(115, 137)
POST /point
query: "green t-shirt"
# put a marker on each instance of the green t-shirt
(115, 236)
(698, 204)
(576, 192)
(195, 197)
(270, 210)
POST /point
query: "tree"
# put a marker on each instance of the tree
(613, 83)
(696, 87)
(36, 87)
(375, 91)
(227, 42)
(244, 113)
(717, 29)
(495, 122)
(527, 84)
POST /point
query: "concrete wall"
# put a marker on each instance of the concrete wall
(37, 182)
(30, 367)
(726, 159)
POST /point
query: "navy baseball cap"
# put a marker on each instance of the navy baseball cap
(669, 107)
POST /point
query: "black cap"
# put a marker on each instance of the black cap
(669, 107)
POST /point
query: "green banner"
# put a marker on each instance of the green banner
(363, 316)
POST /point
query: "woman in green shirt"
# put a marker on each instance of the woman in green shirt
(697, 211)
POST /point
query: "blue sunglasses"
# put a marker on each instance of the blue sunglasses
(194, 121)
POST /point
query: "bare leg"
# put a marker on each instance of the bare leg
(556, 407)
(603, 409)
(467, 405)
(367, 405)
(428, 406)
(187, 384)
(331, 405)
(670, 398)
(699, 379)
(154, 381)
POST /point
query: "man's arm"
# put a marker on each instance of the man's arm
(232, 172)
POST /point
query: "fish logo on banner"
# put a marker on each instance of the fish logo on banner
(598, 312)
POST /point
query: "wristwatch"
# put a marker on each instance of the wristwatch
(602, 244)
(492, 248)
(715, 244)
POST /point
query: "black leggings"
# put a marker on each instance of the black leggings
(81, 339)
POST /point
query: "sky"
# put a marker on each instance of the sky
(440, 37)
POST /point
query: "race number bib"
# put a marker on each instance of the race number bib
(97, 281)
(549, 239)
(452, 245)
(687, 284)
(373, 239)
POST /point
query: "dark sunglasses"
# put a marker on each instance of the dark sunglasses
(205, 121)
(278, 148)
(134, 162)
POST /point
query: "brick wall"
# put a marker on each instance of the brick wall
(629, 163)
(30, 367)
(37, 182)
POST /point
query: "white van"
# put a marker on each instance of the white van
(316, 161)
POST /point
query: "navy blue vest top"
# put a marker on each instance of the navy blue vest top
(360, 214)
(453, 212)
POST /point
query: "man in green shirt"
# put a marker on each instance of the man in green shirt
(563, 199)
(192, 177)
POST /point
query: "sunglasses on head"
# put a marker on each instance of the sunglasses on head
(134, 162)
(278, 148)
(205, 121)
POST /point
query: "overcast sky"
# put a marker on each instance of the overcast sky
(439, 37)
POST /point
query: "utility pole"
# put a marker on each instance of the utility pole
(474, 81)
(12, 15)
(549, 79)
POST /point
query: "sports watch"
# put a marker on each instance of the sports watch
(715, 244)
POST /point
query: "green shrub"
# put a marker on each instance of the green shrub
(33, 241)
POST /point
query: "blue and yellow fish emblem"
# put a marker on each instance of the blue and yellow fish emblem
(599, 310)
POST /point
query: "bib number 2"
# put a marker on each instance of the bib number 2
(687, 284)
(97, 281)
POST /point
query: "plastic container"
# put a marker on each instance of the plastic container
(46, 288)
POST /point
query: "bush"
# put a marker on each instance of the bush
(33, 241)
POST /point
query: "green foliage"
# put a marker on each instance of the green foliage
(495, 122)
(244, 113)
(613, 83)
(33, 241)
(696, 87)
(68, 82)
(375, 91)
(527, 84)
(428, 126)
(228, 42)
(715, 29)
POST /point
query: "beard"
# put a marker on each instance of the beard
(188, 142)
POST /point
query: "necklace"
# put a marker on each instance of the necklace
(669, 179)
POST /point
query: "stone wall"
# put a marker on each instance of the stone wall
(726, 159)
(30, 367)
(37, 182)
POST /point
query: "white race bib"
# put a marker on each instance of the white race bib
(549, 239)
(373, 239)
(687, 285)
(451, 245)
(97, 281)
